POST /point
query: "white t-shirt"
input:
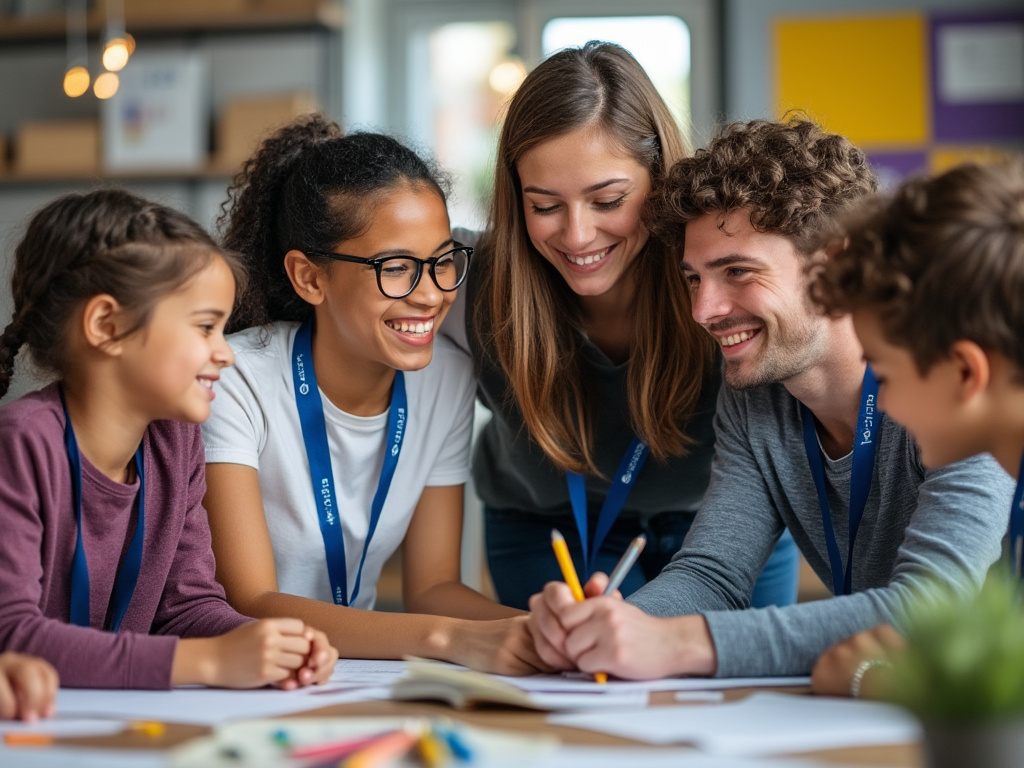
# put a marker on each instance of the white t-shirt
(255, 422)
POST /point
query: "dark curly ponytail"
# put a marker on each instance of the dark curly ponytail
(80, 246)
(308, 188)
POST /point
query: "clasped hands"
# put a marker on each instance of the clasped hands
(606, 634)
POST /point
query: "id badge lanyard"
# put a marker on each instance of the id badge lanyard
(625, 477)
(1017, 524)
(128, 574)
(868, 419)
(314, 435)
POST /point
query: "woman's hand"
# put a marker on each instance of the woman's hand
(499, 646)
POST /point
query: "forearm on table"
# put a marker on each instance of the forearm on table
(362, 634)
(455, 599)
(787, 641)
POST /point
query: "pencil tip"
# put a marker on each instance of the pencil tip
(556, 536)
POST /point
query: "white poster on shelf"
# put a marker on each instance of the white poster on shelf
(158, 119)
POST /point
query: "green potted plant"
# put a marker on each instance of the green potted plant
(962, 675)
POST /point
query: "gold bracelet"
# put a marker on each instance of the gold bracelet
(862, 669)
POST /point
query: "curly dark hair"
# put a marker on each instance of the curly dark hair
(308, 188)
(80, 246)
(941, 260)
(794, 178)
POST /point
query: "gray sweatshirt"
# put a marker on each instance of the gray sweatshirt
(917, 524)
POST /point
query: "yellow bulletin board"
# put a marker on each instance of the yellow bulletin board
(916, 91)
(863, 77)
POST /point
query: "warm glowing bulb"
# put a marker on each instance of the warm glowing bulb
(76, 81)
(106, 85)
(129, 41)
(115, 54)
(507, 76)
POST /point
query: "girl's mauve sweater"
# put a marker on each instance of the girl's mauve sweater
(176, 594)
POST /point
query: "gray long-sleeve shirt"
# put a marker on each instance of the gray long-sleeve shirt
(918, 524)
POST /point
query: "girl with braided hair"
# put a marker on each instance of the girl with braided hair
(105, 558)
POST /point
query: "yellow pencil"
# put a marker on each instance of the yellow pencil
(432, 752)
(565, 563)
(569, 574)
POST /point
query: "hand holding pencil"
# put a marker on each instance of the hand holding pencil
(603, 633)
(614, 581)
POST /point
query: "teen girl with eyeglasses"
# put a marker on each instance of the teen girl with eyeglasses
(344, 430)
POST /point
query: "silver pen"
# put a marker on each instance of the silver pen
(625, 563)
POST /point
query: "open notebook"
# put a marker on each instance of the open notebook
(464, 688)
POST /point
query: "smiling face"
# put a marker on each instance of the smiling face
(749, 291)
(582, 198)
(172, 362)
(362, 325)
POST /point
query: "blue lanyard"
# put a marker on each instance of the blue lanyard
(128, 574)
(1017, 524)
(625, 477)
(314, 435)
(864, 446)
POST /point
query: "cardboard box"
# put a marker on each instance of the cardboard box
(57, 148)
(155, 12)
(295, 7)
(245, 122)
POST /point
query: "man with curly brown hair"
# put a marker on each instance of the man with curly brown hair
(800, 441)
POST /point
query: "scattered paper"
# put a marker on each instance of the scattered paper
(645, 757)
(77, 757)
(62, 726)
(762, 724)
(580, 684)
(205, 706)
(706, 696)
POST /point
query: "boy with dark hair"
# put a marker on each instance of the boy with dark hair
(934, 281)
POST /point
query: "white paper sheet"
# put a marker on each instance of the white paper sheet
(65, 726)
(204, 706)
(369, 671)
(78, 757)
(576, 684)
(762, 724)
(580, 700)
(641, 757)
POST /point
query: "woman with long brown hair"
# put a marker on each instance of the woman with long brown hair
(580, 325)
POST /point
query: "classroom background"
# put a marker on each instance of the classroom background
(920, 86)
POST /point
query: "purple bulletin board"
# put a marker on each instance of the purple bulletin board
(967, 118)
(893, 167)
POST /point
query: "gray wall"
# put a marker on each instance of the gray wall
(747, 25)
(240, 65)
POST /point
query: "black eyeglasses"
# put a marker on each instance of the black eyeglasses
(398, 276)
